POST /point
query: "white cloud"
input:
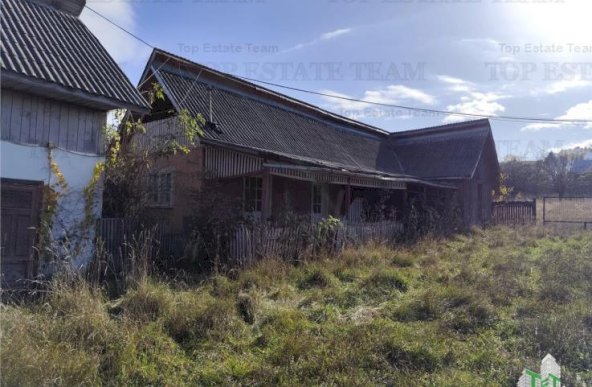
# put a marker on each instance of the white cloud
(335, 34)
(323, 37)
(392, 94)
(536, 126)
(472, 101)
(562, 86)
(456, 85)
(581, 111)
(483, 104)
(574, 145)
(122, 47)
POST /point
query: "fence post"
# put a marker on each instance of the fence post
(544, 210)
(534, 210)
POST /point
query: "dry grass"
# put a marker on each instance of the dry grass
(473, 309)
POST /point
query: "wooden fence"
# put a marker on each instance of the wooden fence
(250, 242)
(118, 235)
(513, 212)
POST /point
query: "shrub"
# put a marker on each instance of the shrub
(246, 308)
(149, 301)
(315, 277)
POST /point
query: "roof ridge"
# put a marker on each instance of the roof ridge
(443, 128)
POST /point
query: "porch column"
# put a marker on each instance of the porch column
(266, 195)
(347, 199)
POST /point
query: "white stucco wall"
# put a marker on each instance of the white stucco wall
(31, 163)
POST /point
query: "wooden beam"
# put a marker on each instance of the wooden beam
(267, 195)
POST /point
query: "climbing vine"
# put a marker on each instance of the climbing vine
(132, 153)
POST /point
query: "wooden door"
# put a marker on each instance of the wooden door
(20, 207)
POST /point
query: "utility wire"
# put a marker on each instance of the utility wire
(412, 108)
(425, 110)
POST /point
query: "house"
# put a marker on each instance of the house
(462, 154)
(279, 155)
(58, 83)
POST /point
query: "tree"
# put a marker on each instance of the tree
(559, 169)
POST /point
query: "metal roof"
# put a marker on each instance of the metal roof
(249, 122)
(448, 151)
(52, 47)
(266, 121)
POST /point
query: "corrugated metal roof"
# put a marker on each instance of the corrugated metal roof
(249, 122)
(248, 119)
(448, 151)
(53, 46)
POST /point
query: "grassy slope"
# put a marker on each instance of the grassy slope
(471, 310)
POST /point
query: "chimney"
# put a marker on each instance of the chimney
(73, 7)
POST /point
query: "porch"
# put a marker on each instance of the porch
(275, 190)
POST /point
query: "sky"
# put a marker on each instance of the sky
(530, 58)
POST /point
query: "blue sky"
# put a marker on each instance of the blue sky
(493, 57)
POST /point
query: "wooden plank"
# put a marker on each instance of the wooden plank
(16, 118)
(69, 137)
(81, 132)
(35, 116)
(26, 119)
(45, 122)
(54, 123)
(6, 101)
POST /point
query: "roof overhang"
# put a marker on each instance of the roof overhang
(345, 177)
(43, 88)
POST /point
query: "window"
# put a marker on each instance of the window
(160, 187)
(317, 199)
(252, 194)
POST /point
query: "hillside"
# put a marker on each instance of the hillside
(471, 310)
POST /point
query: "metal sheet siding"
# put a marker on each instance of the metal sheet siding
(53, 46)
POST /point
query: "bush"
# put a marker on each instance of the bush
(383, 283)
(315, 277)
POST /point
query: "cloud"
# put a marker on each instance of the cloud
(322, 38)
(390, 95)
(574, 145)
(122, 47)
(472, 101)
(456, 85)
(581, 111)
(563, 86)
(536, 126)
(483, 104)
(335, 34)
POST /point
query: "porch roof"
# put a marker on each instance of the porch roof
(335, 176)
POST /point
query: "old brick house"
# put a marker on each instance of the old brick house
(278, 154)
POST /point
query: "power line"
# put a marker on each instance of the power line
(120, 27)
(341, 97)
(425, 110)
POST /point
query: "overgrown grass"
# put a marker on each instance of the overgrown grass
(471, 310)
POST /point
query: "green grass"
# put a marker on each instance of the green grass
(471, 310)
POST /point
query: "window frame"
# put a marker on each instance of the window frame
(156, 196)
(252, 192)
(317, 193)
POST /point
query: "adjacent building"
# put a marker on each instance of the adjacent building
(58, 83)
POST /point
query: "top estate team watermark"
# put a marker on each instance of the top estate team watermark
(541, 48)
